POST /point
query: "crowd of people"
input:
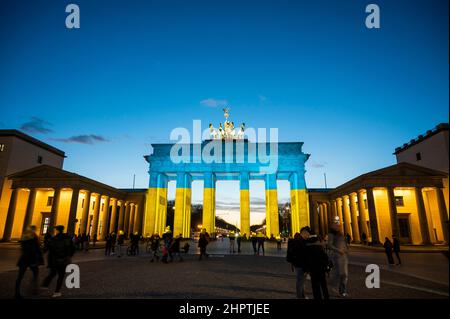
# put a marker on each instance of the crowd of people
(308, 254)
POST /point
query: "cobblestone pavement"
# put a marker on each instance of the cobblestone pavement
(229, 276)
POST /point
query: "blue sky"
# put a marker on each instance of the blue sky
(137, 69)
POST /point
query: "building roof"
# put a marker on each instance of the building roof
(439, 128)
(32, 140)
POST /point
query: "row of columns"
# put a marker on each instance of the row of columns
(348, 207)
(157, 203)
(130, 216)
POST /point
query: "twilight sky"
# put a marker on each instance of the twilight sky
(137, 69)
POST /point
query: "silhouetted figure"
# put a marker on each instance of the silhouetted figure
(154, 246)
(203, 243)
(231, 237)
(175, 247)
(167, 238)
(337, 246)
(108, 246)
(254, 243)
(396, 248)
(364, 238)
(261, 239)
(30, 257)
(120, 242)
(238, 242)
(317, 264)
(388, 247)
(297, 256)
(348, 238)
(61, 250)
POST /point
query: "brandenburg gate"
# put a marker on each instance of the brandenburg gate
(227, 156)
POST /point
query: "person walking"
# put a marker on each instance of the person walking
(261, 240)
(297, 256)
(388, 247)
(231, 237)
(238, 242)
(175, 247)
(278, 238)
(254, 240)
(154, 246)
(108, 245)
(317, 265)
(337, 246)
(203, 242)
(396, 248)
(94, 240)
(167, 238)
(120, 242)
(30, 257)
(113, 243)
(61, 250)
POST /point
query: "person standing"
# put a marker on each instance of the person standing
(167, 238)
(108, 245)
(261, 240)
(120, 242)
(202, 243)
(254, 240)
(231, 237)
(61, 250)
(396, 249)
(338, 249)
(30, 257)
(364, 238)
(297, 256)
(278, 238)
(238, 242)
(154, 245)
(388, 250)
(317, 265)
(175, 247)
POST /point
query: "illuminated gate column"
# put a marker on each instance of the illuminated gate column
(244, 184)
(155, 220)
(272, 227)
(299, 203)
(339, 211)
(182, 219)
(346, 214)
(94, 229)
(362, 214)
(209, 202)
(355, 226)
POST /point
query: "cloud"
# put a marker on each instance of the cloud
(318, 164)
(36, 125)
(83, 139)
(262, 98)
(214, 102)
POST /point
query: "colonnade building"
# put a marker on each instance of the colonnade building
(407, 199)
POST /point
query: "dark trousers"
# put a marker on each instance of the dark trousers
(390, 257)
(319, 285)
(202, 252)
(254, 246)
(22, 270)
(59, 270)
(397, 254)
(108, 249)
(261, 245)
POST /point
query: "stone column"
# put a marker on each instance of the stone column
(71, 222)
(443, 213)
(393, 212)
(355, 227)
(322, 218)
(372, 216)
(183, 205)
(340, 213)
(121, 215)
(55, 207)
(112, 224)
(423, 221)
(105, 219)
(315, 217)
(346, 214)
(326, 220)
(132, 217)
(137, 227)
(362, 214)
(85, 214)
(126, 222)
(94, 229)
(244, 185)
(209, 189)
(30, 209)
(272, 226)
(10, 217)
